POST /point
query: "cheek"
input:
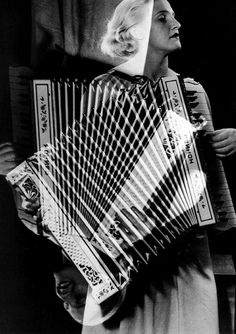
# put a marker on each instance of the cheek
(157, 41)
(158, 35)
(154, 36)
(80, 289)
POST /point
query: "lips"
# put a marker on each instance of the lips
(175, 35)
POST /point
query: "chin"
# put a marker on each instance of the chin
(179, 46)
(176, 44)
(176, 47)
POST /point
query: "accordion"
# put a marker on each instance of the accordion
(119, 174)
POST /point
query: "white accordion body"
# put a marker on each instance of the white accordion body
(118, 175)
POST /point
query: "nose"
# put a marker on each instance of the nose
(66, 306)
(175, 24)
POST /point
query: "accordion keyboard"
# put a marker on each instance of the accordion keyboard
(217, 181)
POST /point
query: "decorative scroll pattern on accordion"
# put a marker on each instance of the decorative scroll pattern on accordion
(122, 182)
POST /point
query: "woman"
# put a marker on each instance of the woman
(177, 293)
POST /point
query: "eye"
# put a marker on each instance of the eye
(162, 18)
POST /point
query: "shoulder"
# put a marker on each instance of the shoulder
(193, 85)
(190, 83)
(114, 78)
(110, 77)
(102, 89)
(194, 88)
(105, 77)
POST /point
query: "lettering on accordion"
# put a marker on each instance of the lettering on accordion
(194, 169)
(119, 175)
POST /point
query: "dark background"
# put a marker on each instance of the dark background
(27, 300)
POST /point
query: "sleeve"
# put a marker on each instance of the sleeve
(194, 87)
(199, 103)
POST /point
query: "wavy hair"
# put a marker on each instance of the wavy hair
(118, 40)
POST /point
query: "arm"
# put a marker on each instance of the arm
(8, 158)
(31, 215)
(223, 141)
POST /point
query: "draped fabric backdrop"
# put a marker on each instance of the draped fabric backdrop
(69, 28)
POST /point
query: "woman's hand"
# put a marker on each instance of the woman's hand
(8, 158)
(224, 142)
(32, 207)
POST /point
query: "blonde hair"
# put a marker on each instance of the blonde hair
(118, 40)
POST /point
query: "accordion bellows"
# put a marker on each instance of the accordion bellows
(118, 174)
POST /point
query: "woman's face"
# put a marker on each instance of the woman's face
(164, 33)
(71, 287)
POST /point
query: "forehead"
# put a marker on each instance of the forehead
(161, 5)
